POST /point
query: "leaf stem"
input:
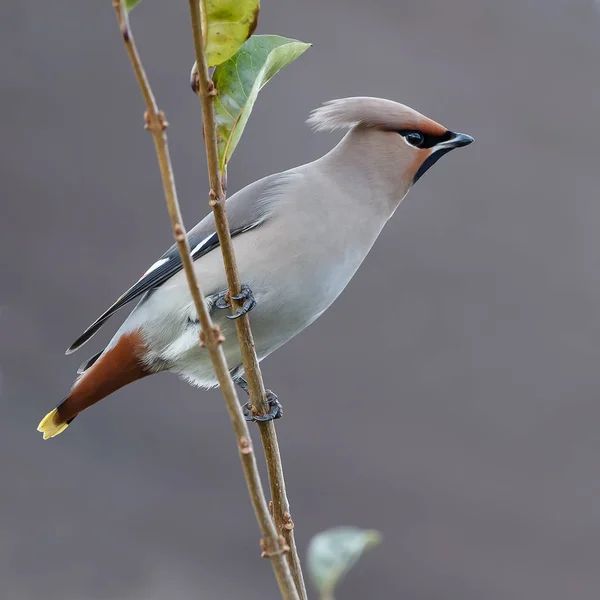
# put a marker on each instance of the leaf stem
(281, 507)
(211, 336)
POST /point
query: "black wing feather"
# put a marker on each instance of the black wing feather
(152, 280)
(84, 366)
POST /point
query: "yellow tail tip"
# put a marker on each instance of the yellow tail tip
(51, 425)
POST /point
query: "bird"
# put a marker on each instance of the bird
(299, 237)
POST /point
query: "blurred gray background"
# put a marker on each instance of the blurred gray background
(450, 398)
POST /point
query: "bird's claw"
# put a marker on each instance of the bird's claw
(224, 301)
(275, 410)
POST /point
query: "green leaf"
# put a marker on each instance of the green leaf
(230, 24)
(239, 80)
(130, 4)
(332, 553)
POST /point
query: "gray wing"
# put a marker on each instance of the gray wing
(246, 209)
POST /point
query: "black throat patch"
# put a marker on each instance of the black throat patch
(429, 162)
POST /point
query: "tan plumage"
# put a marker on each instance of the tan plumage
(370, 112)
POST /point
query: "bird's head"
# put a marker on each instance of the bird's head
(392, 139)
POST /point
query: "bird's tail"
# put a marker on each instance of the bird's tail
(116, 367)
(52, 424)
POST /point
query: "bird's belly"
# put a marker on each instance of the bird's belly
(280, 314)
(288, 297)
(283, 311)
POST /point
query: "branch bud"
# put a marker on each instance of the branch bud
(245, 446)
(195, 79)
(179, 232)
(287, 521)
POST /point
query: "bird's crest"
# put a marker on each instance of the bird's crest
(346, 113)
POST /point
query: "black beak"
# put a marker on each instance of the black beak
(458, 140)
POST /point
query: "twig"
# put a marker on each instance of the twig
(281, 507)
(211, 336)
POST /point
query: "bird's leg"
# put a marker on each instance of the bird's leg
(223, 300)
(275, 408)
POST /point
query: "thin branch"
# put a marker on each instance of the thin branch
(281, 507)
(211, 336)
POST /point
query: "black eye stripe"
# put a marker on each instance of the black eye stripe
(429, 140)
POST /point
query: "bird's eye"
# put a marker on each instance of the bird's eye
(414, 138)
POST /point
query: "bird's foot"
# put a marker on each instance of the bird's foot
(275, 409)
(224, 301)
